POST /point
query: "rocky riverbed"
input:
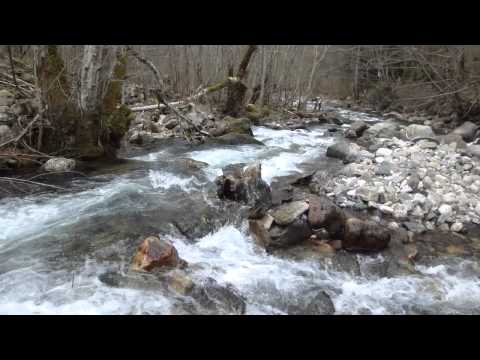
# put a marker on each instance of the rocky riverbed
(80, 252)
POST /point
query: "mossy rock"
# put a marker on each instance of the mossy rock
(238, 126)
(255, 114)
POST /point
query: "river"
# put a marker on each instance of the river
(54, 248)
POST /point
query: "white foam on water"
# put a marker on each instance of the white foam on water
(230, 256)
(20, 218)
(53, 294)
(357, 116)
(284, 152)
(165, 180)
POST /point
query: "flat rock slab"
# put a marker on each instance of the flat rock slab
(287, 213)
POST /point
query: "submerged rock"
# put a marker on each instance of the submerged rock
(221, 299)
(318, 304)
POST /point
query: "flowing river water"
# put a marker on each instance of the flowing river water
(54, 248)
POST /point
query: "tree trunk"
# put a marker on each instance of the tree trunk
(236, 90)
(87, 125)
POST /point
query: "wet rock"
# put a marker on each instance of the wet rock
(419, 131)
(323, 213)
(319, 304)
(467, 131)
(287, 213)
(155, 253)
(235, 139)
(180, 282)
(400, 267)
(322, 247)
(259, 232)
(221, 299)
(295, 233)
(190, 163)
(246, 186)
(59, 164)
(356, 129)
(345, 262)
(364, 236)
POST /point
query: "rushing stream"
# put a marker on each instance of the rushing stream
(54, 248)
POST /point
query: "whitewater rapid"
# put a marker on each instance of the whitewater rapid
(36, 278)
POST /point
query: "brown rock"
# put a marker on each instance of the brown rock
(323, 247)
(365, 236)
(323, 213)
(336, 244)
(155, 253)
(284, 236)
(259, 232)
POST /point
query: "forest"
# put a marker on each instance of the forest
(240, 179)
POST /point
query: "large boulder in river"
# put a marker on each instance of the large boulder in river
(238, 126)
(235, 139)
(364, 236)
(59, 164)
(356, 129)
(284, 236)
(415, 131)
(339, 150)
(245, 186)
(267, 233)
(288, 212)
(467, 131)
(323, 213)
(386, 129)
(155, 253)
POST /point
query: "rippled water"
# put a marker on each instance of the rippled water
(47, 267)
